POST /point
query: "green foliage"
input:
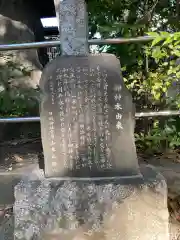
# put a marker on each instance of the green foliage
(16, 101)
(159, 139)
(149, 70)
(163, 70)
(163, 54)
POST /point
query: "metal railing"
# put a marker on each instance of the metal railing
(53, 43)
(17, 46)
(137, 115)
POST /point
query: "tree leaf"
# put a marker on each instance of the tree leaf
(168, 40)
(153, 34)
(156, 40)
(164, 34)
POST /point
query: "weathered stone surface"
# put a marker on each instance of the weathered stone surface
(174, 230)
(7, 228)
(29, 153)
(92, 208)
(87, 118)
(73, 26)
(57, 9)
(20, 22)
(7, 184)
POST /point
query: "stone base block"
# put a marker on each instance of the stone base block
(7, 228)
(112, 209)
(7, 183)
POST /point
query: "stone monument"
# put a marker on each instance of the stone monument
(87, 118)
(93, 187)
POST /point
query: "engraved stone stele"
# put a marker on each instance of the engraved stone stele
(92, 198)
(87, 118)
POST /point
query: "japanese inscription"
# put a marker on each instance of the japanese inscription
(83, 105)
(118, 106)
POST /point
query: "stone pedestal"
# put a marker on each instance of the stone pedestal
(105, 208)
(7, 228)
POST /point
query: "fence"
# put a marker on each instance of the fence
(53, 51)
